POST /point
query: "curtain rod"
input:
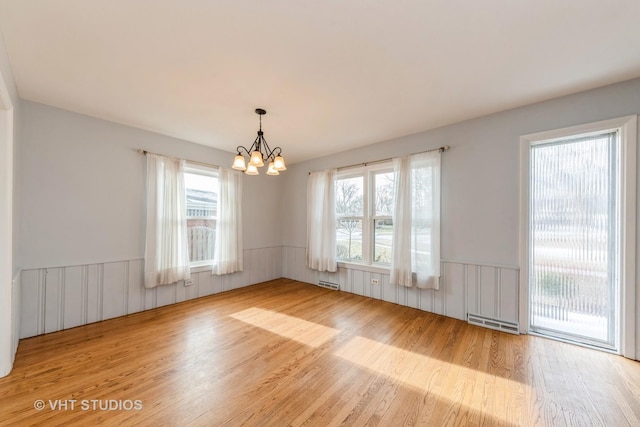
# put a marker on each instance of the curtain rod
(145, 152)
(441, 149)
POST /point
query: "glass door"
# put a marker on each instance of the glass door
(574, 238)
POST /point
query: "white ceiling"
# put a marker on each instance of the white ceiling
(332, 74)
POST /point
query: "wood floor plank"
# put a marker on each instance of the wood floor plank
(289, 353)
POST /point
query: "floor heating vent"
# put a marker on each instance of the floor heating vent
(498, 325)
(329, 285)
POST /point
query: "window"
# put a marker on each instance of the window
(364, 205)
(201, 189)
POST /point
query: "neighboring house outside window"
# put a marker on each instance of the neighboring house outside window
(201, 188)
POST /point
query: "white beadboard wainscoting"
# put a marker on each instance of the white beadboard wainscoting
(64, 297)
(15, 313)
(488, 291)
(52, 299)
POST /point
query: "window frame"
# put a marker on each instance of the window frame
(203, 170)
(368, 218)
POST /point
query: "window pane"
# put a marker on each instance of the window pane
(383, 236)
(349, 239)
(202, 239)
(384, 193)
(202, 204)
(422, 190)
(573, 238)
(421, 245)
(349, 192)
(202, 200)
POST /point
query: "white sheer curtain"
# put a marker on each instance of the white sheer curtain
(321, 221)
(227, 257)
(415, 257)
(166, 247)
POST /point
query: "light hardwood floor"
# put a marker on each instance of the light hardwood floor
(288, 353)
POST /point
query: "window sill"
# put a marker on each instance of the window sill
(201, 268)
(364, 267)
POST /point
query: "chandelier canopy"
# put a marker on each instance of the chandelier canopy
(259, 153)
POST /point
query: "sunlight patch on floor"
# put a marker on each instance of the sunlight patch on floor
(432, 375)
(300, 330)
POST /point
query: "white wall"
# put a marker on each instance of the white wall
(9, 116)
(480, 181)
(82, 220)
(480, 173)
(83, 189)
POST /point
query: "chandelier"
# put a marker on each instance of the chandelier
(259, 153)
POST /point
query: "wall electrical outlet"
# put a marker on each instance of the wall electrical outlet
(374, 281)
(188, 282)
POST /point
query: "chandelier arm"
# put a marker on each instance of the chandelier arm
(270, 154)
(265, 151)
(254, 147)
(257, 144)
(240, 148)
(274, 153)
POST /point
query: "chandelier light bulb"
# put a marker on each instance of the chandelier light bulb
(239, 164)
(278, 163)
(256, 159)
(272, 170)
